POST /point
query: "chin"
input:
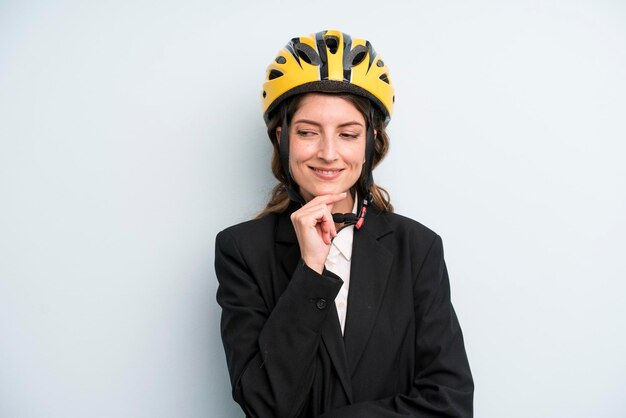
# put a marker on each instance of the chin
(328, 190)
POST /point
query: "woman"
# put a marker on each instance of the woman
(390, 345)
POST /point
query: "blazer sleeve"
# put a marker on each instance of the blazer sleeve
(270, 352)
(443, 384)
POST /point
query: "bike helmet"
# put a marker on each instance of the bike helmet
(328, 61)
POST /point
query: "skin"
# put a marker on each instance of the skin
(327, 152)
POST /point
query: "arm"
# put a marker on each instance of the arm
(270, 354)
(442, 384)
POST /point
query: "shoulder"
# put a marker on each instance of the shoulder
(413, 244)
(405, 237)
(400, 221)
(251, 232)
(403, 226)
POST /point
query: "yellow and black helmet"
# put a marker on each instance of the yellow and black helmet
(328, 61)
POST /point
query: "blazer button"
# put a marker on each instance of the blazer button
(321, 303)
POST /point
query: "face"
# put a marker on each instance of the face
(326, 147)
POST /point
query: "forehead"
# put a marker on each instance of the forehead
(327, 109)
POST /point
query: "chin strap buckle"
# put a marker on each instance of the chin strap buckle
(351, 218)
(361, 218)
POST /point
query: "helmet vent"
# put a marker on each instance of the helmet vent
(280, 60)
(332, 43)
(355, 57)
(274, 74)
(358, 59)
(307, 54)
(384, 78)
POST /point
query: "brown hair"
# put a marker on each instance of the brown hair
(279, 199)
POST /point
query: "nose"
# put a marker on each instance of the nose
(327, 150)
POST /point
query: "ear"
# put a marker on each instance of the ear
(278, 131)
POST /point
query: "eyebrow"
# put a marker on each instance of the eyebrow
(341, 125)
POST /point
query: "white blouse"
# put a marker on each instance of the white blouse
(338, 261)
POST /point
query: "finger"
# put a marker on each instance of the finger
(331, 230)
(311, 215)
(325, 227)
(331, 223)
(308, 216)
(325, 232)
(318, 217)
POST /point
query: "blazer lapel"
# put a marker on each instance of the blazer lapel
(369, 272)
(331, 335)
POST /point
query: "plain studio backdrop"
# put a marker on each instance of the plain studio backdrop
(131, 133)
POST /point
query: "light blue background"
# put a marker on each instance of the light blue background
(131, 134)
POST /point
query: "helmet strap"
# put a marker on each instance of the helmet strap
(368, 178)
(292, 191)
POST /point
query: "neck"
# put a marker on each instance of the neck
(344, 206)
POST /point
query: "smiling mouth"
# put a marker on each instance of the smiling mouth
(328, 172)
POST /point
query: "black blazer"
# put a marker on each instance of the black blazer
(402, 353)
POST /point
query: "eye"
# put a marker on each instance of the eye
(349, 135)
(305, 133)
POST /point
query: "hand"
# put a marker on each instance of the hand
(315, 229)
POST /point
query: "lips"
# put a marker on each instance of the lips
(326, 173)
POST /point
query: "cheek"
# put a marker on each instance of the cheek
(300, 151)
(357, 156)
